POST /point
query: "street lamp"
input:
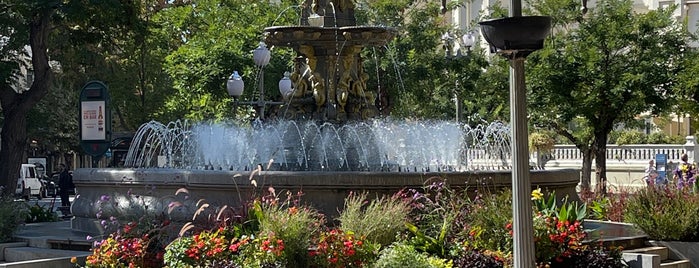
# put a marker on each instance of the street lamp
(261, 56)
(468, 40)
(465, 42)
(285, 86)
(235, 86)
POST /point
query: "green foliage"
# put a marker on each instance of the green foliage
(658, 138)
(336, 248)
(295, 225)
(405, 255)
(40, 213)
(565, 211)
(175, 253)
(439, 216)
(489, 216)
(541, 141)
(379, 220)
(12, 215)
(665, 213)
(582, 72)
(631, 137)
(413, 74)
(215, 38)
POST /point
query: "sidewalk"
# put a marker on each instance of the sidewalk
(54, 235)
(45, 244)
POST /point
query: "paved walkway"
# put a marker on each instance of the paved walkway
(57, 235)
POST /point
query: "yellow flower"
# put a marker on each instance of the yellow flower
(537, 195)
(74, 260)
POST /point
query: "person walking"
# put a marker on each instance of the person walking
(65, 184)
(684, 173)
(651, 176)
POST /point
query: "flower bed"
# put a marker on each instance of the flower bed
(436, 226)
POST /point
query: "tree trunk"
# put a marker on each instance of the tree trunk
(585, 177)
(16, 106)
(599, 148)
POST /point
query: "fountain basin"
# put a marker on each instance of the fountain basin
(292, 36)
(131, 192)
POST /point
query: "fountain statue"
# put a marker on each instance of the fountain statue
(324, 143)
(328, 76)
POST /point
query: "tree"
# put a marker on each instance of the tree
(210, 40)
(603, 69)
(416, 77)
(37, 24)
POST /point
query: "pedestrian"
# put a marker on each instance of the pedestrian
(65, 184)
(651, 176)
(683, 175)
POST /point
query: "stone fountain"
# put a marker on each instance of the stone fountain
(328, 145)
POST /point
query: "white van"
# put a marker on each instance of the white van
(28, 183)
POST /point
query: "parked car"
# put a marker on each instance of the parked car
(28, 183)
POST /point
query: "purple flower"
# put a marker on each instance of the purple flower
(104, 198)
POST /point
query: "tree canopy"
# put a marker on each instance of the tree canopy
(603, 69)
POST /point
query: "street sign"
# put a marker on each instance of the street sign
(95, 118)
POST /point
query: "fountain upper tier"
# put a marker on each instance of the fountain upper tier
(328, 37)
(328, 80)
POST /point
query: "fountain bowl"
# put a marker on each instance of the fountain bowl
(133, 191)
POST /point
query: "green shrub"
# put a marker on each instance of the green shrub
(379, 220)
(613, 136)
(40, 213)
(677, 139)
(541, 141)
(295, 225)
(631, 137)
(665, 214)
(490, 214)
(658, 138)
(404, 255)
(12, 215)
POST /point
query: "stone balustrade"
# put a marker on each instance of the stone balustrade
(626, 164)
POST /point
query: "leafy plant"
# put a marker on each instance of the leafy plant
(40, 213)
(294, 224)
(541, 141)
(477, 259)
(490, 216)
(405, 255)
(379, 220)
(12, 215)
(128, 247)
(665, 213)
(336, 248)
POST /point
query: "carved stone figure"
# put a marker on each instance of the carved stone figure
(297, 79)
(318, 86)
